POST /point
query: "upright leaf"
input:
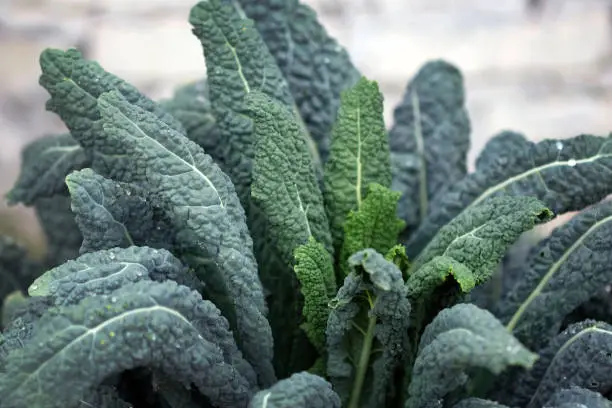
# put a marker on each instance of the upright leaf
(205, 211)
(429, 140)
(316, 67)
(370, 312)
(284, 182)
(237, 63)
(562, 272)
(374, 225)
(567, 175)
(458, 340)
(359, 154)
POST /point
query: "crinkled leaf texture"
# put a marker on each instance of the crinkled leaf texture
(316, 67)
(101, 272)
(159, 325)
(191, 106)
(459, 339)
(284, 182)
(44, 164)
(301, 390)
(567, 175)
(359, 155)
(479, 237)
(121, 127)
(576, 397)
(374, 225)
(237, 63)
(111, 214)
(578, 356)
(429, 140)
(371, 311)
(560, 273)
(205, 211)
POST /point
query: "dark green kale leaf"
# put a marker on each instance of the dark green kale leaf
(579, 356)
(429, 140)
(301, 390)
(316, 67)
(161, 325)
(460, 339)
(567, 175)
(191, 106)
(562, 272)
(111, 214)
(44, 165)
(367, 331)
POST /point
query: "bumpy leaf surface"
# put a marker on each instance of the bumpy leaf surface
(499, 147)
(374, 225)
(314, 269)
(370, 312)
(359, 154)
(567, 175)
(159, 325)
(75, 85)
(203, 207)
(429, 140)
(316, 67)
(284, 182)
(191, 106)
(111, 214)
(459, 339)
(101, 272)
(301, 390)
(478, 238)
(562, 272)
(579, 356)
(237, 63)
(44, 165)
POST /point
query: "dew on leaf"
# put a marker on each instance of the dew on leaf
(571, 162)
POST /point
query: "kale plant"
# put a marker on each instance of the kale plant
(261, 239)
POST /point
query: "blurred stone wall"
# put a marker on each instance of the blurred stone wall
(546, 77)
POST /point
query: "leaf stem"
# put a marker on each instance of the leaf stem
(364, 360)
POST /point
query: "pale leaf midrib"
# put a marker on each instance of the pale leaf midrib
(551, 272)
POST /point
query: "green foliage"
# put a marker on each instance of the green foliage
(261, 240)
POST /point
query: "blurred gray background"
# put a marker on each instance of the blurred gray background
(547, 74)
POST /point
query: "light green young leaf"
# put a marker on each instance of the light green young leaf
(562, 272)
(461, 338)
(567, 175)
(375, 225)
(429, 140)
(367, 331)
(284, 182)
(301, 390)
(161, 325)
(314, 269)
(478, 238)
(359, 154)
(202, 205)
